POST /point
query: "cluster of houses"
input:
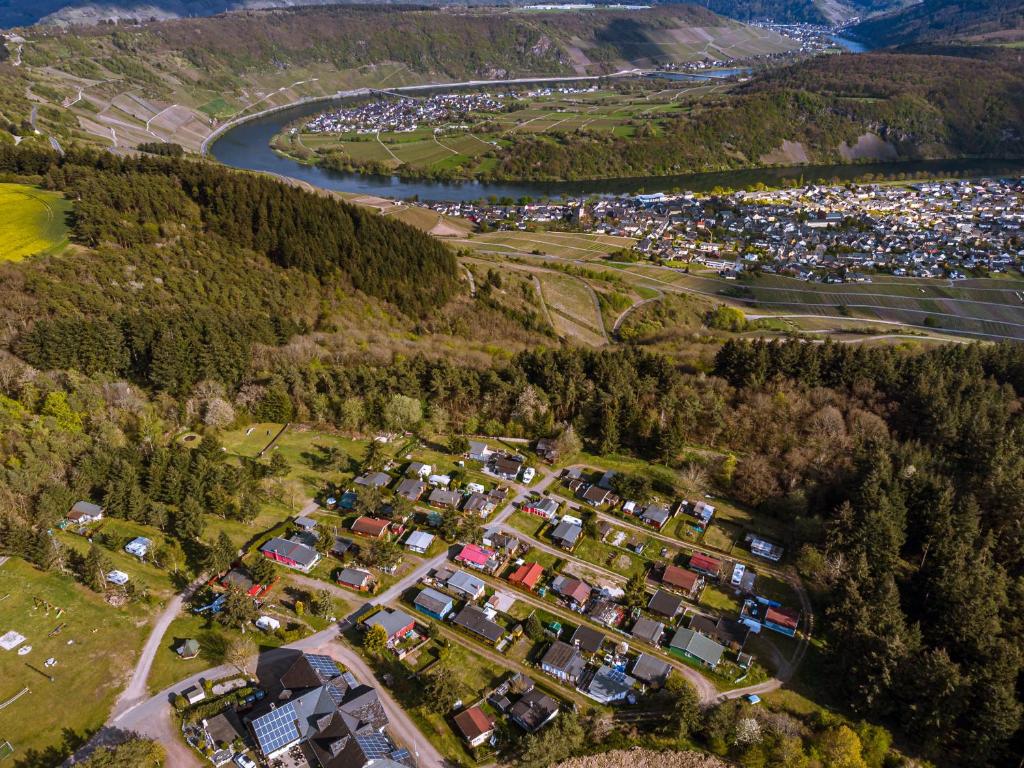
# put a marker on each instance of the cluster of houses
(942, 229)
(403, 114)
(308, 712)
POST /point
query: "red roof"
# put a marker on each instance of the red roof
(705, 563)
(473, 723)
(527, 574)
(678, 577)
(475, 554)
(576, 590)
(784, 617)
(369, 526)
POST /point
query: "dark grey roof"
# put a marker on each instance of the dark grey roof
(474, 620)
(651, 670)
(587, 639)
(567, 533)
(433, 601)
(665, 603)
(649, 630)
(565, 658)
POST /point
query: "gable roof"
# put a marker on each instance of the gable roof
(474, 554)
(574, 589)
(702, 562)
(651, 670)
(474, 619)
(567, 532)
(374, 479)
(433, 601)
(587, 639)
(564, 658)
(465, 582)
(354, 576)
(696, 644)
(473, 723)
(648, 629)
(527, 574)
(665, 603)
(393, 621)
(369, 526)
(290, 550)
(680, 578)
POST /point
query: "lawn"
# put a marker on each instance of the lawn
(31, 222)
(95, 650)
(720, 599)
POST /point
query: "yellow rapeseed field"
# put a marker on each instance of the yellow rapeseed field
(32, 221)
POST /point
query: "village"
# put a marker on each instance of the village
(590, 588)
(936, 229)
(395, 113)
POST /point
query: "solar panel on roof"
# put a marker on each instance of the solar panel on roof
(276, 729)
(400, 754)
(349, 679)
(374, 745)
(336, 694)
(323, 666)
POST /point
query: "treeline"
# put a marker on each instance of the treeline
(940, 20)
(190, 267)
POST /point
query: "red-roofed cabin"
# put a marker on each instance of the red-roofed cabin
(682, 580)
(782, 620)
(709, 566)
(527, 575)
(370, 527)
(475, 556)
(475, 726)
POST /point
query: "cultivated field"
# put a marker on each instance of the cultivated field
(573, 307)
(32, 221)
(568, 245)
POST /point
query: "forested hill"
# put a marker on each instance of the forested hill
(924, 106)
(943, 20)
(186, 267)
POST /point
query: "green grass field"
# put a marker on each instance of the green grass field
(32, 222)
(94, 651)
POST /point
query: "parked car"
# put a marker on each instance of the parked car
(528, 474)
(244, 761)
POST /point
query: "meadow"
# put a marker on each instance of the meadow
(32, 222)
(94, 650)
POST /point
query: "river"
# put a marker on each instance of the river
(247, 146)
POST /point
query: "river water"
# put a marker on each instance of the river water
(247, 146)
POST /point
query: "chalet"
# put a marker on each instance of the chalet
(665, 604)
(443, 499)
(419, 542)
(692, 645)
(732, 634)
(419, 469)
(567, 534)
(479, 451)
(534, 710)
(778, 619)
(655, 515)
(479, 558)
(708, 566)
(587, 639)
(563, 662)
(703, 512)
(462, 583)
(353, 578)
(648, 630)
(475, 726)
(576, 592)
(439, 481)
(595, 495)
(608, 685)
(543, 507)
(342, 546)
(306, 524)
(608, 613)
(505, 466)
(411, 489)
(689, 583)
(370, 527)
(84, 512)
(503, 542)
(474, 620)
(435, 604)
(547, 449)
(478, 504)
(293, 554)
(527, 576)
(651, 670)
(373, 480)
(397, 623)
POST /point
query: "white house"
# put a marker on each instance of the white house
(419, 541)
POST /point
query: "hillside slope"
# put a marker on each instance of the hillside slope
(176, 80)
(943, 20)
